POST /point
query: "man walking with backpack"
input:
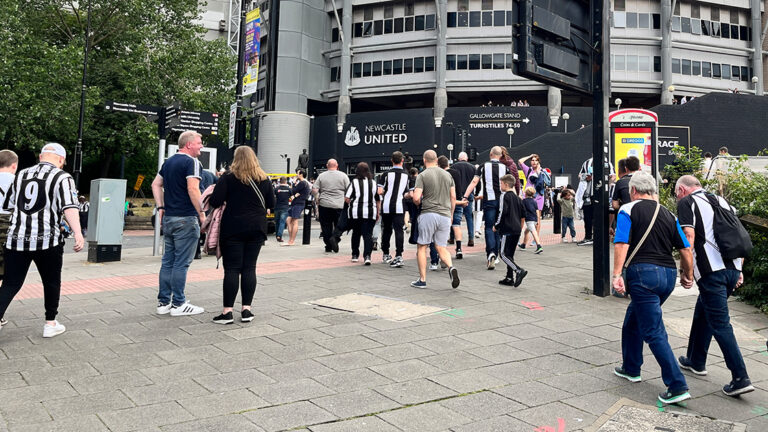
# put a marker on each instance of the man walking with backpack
(710, 225)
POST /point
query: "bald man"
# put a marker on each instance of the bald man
(329, 188)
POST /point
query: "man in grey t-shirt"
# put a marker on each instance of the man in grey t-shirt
(329, 188)
(435, 192)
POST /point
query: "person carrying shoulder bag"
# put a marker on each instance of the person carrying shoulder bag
(248, 194)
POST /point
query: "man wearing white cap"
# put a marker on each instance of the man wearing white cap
(38, 198)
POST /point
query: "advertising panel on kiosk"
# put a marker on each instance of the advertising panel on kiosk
(634, 133)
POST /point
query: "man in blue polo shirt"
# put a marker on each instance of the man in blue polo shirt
(176, 189)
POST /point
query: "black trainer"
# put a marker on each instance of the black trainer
(333, 243)
(224, 318)
(508, 281)
(668, 397)
(738, 387)
(620, 372)
(521, 274)
(246, 315)
(454, 274)
(685, 363)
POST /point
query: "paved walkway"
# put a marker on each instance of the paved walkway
(496, 359)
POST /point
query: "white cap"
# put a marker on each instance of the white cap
(54, 148)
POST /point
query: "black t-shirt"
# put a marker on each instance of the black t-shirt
(530, 206)
(621, 190)
(282, 193)
(666, 234)
(244, 214)
(464, 174)
(511, 211)
(302, 188)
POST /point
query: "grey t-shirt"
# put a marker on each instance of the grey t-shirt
(331, 185)
(436, 184)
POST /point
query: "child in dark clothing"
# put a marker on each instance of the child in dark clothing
(529, 203)
(509, 224)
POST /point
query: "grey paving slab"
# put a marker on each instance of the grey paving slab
(234, 380)
(502, 353)
(356, 403)
(496, 424)
(291, 391)
(88, 423)
(24, 413)
(353, 380)
(295, 370)
(548, 415)
(483, 405)
(12, 380)
(289, 416)
(43, 392)
(578, 383)
(103, 383)
(594, 403)
(350, 360)
(191, 369)
(425, 418)
(533, 393)
(222, 403)
(415, 391)
(145, 417)
(400, 352)
(228, 423)
(87, 404)
(488, 337)
(368, 424)
(456, 361)
(406, 370)
(183, 355)
(468, 380)
(168, 390)
(127, 363)
(225, 363)
(347, 344)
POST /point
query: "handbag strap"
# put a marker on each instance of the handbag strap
(648, 231)
(258, 192)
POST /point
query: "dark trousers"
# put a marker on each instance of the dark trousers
(507, 252)
(711, 318)
(329, 217)
(413, 216)
(48, 263)
(239, 256)
(588, 221)
(392, 222)
(364, 228)
(492, 238)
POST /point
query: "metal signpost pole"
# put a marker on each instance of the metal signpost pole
(160, 160)
(601, 78)
(78, 157)
(240, 122)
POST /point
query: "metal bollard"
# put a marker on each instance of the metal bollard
(306, 232)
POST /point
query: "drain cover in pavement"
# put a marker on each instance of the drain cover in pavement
(629, 416)
(377, 306)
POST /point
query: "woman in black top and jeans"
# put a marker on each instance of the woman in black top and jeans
(248, 195)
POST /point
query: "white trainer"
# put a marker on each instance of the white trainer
(50, 331)
(186, 309)
(163, 309)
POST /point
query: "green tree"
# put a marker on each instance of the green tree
(142, 51)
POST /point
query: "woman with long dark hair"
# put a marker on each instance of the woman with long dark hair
(507, 160)
(248, 195)
(364, 208)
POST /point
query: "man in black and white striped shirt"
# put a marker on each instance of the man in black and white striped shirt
(490, 173)
(39, 197)
(393, 185)
(717, 278)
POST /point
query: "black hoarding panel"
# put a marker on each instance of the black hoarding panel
(550, 41)
(375, 135)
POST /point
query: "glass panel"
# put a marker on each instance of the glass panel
(744, 73)
(509, 18)
(620, 5)
(696, 68)
(498, 61)
(657, 63)
(429, 64)
(726, 70)
(498, 18)
(695, 26)
(451, 19)
(368, 28)
(358, 30)
(735, 16)
(686, 23)
(676, 23)
(474, 61)
(368, 14)
(388, 26)
(474, 18)
(429, 22)
(450, 62)
(686, 67)
(334, 73)
(409, 23)
(486, 5)
(398, 25)
(409, 7)
(695, 10)
(656, 21)
(487, 61)
(734, 31)
(397, 67)
(715, 70)
(618, 62)
(463, 5)
(335, 34)
(714, 13)
(735, 71)
(706, 27)
(376, 68)
(644, 20)
(706, 69)
(677, 9)
(418, 64)
(715, 29)
(631, 20)
(463, 19)
(725, 30)
(357, 70)
(461, 61)
(675, 65)
(487, 19)
(419, 26)
(408, 65)
(378, 27)
(366, 69)
(387, 67)
(743, 33)
(631, 63)
(508, 63)
(619, 19)
(389, 11)
(644, 64)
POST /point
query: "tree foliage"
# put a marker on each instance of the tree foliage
(142, 51)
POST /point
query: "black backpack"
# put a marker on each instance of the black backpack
(732, 238)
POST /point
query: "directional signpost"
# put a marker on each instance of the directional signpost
(565, 43)
(206, 123)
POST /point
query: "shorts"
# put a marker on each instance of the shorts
(434, 228)
(530, 226)
(295, 211)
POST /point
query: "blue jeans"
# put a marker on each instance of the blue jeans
(465, 211)
(280, 217)
(434, 258)
(649, 287)
(492, 239)
(568, 223)
(181, 234)
(711, 318)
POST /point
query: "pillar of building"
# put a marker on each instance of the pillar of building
(554, 104)
(441, 94)
(345, 103)
(666, 52)
(757, 45)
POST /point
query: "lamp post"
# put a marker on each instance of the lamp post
(510, 132)
(566, 117)
(618, 103)
(755, 82)
(671, 90)
(78, 159)
(450, 151)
